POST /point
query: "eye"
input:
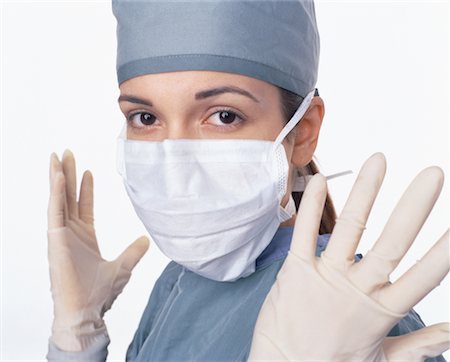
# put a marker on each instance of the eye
(141, 119)
(225, 118)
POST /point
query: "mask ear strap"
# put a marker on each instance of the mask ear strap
(295, 119)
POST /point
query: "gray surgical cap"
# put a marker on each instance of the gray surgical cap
(275, 41)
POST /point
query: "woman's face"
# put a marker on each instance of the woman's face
(200, 105)
(214, 105)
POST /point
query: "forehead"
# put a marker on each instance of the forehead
(190, 82)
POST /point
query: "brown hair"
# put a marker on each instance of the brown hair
(290, 102)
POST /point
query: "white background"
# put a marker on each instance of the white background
(384, 76)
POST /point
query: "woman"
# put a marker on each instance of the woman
(220, 118)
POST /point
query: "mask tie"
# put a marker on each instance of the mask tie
(300, 182)
(295, 119)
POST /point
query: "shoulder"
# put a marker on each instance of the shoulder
(168, 278)
(170, 273)
(158, 297)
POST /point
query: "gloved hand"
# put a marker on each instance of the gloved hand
(331, 308)
(83, 284)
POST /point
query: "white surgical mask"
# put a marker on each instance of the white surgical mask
(210, 205)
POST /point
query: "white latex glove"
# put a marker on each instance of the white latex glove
(83, 284)
(331, 308)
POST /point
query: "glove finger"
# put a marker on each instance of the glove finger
(133, 253)
(418, 280)
(408, 216)
(351, 222)
(86, 201)
(56, 166)
(53, 168)
(56, 204)
(68, 164)
(309, 214)
(424, 343)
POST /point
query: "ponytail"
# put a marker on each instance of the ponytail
(329, 212)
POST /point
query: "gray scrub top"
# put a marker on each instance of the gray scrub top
(192, 318)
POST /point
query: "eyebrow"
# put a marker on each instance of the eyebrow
(221, 90)
(200, 95)
(133, 99)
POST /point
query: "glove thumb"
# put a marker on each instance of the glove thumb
(419, 345)
(133, 253)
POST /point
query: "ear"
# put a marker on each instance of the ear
(307, 133)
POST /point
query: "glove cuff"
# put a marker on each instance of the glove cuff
(78, 338)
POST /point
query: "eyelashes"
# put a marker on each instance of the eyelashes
(225, 118)
(222, 119)
(144, 119)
